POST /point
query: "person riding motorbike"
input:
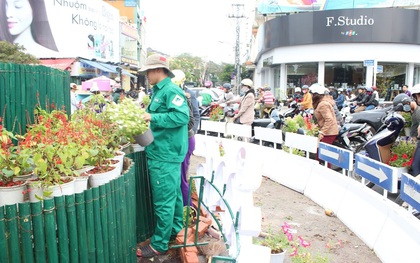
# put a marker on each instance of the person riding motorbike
(371, 101)
(297, 96)
(267, 101)
(307, 98)
(361, 97)
(206, 96)
(227, 99)
(339, 101)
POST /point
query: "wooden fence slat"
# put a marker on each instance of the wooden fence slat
(104, 221)
(50, 230)
(111, 223)
(3, 240)
(39, 235)
(81, 226)
(98, 225)
(62, 229)
(90, 226)
(73, 229)
(26, 232)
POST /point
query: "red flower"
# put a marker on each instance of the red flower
(405, 156)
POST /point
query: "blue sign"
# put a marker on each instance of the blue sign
(369, 63)
(376, 172)
(380, 69)
(410, 190)
(336, 156)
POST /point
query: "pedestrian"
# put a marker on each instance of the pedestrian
(168, 115)
(179, 80)
(267, 101)
(415, 127)
(406, 90)
(340, 98)
(75, 103)
(246, 111)
(324, 115)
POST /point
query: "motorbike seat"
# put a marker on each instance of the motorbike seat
(351, 127)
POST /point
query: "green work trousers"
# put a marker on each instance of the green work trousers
(165, 181)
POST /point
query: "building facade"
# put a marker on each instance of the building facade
(342, 48)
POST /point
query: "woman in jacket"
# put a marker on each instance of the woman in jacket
(324, 114)
(246, 112)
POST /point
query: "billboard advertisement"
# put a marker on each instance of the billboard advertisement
(373, 25)
(62, 28)
(291, 6)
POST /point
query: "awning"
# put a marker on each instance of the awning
(60, 63)
(101, 66)
(125, 72)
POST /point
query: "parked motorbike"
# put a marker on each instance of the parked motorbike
(378, 147)
(374, 118)
(352, 136)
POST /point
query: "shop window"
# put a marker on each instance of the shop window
(391, 80)
(299, 74)
(416, 79)
(344, 74)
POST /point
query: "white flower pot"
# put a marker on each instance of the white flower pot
(277, 258)
(119, 155)
(81, 184)
(98, 179)
(36, 193)
(10, 195)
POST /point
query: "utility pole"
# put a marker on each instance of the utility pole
(238, 14)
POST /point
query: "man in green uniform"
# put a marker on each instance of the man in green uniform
(168, 114)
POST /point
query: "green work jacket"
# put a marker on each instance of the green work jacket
(169, 124)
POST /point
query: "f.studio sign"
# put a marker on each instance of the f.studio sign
(366, 25)
(347, 21)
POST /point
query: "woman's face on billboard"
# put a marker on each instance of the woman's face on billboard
(19, 16)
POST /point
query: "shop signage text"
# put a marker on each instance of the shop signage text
(347, 21)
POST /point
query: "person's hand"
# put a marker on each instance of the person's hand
(147, 116)
(320, 137)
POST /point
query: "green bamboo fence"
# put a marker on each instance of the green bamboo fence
(23, 86)
(94, 226)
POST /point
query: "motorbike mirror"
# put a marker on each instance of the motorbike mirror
(301, 131)
(406, 108)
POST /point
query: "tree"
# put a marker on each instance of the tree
(15, 53)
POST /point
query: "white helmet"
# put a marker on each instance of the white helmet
(297, 89)
(247, 82)
(179, 76)
(317, 88)
(415, 89)
(94, 87)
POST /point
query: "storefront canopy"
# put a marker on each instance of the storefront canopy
(107, 67)
(59, 63)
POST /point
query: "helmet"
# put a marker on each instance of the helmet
(318, 89)
(227, 86)
(94, 87)
(179, 76)
(207, 84)
(305, 87)
(267, 88)
(247, 82)
(369, 89)
(415, 89)
(340, 89)
(374, 88)
(361, 87)
(117, 79)
(297, 89)
(402, 102)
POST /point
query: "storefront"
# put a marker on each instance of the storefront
(341, 48)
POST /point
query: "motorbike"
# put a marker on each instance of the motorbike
(374, 118)
(352, 136)
(378, 146)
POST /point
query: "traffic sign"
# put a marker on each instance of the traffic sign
(369, 63)
(336, 156)
(410, 190)
(376, 172)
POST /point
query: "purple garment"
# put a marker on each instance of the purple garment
(184, 170)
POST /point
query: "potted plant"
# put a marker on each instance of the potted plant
(216, 114)
(12, 164)
(407, 126)
(128, 117)
(49, 143)
(402, 155)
